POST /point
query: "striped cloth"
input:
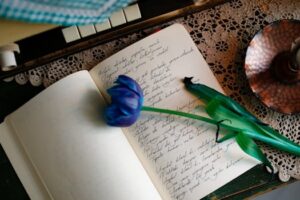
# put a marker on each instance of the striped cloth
(61, 12)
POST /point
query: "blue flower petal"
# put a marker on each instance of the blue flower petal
(118, 91)
(124, 121)
(130, 83)
(126, 102)
(128, 105)
(114, 117)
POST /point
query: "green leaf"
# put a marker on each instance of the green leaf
(263, 133)
(251, 148)
(201, 91)
(207, 94)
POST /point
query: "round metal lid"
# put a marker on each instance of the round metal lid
(261, 57)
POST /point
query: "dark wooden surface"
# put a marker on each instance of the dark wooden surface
(13, 96)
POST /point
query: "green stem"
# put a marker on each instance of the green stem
(182, 114)
(191, 116)
(280, 144)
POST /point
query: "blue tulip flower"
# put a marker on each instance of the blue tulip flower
(126, 102)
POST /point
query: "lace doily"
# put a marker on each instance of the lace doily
(222, 35)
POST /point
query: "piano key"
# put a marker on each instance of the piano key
(103, 26)
(71, 34)
(117, 18)
(86, 30)
(132, 12)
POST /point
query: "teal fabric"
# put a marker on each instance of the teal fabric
(61, 12)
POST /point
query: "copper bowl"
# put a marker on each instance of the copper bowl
(270, 82)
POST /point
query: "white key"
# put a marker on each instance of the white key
(132, 12)
(117, 18)
(103, 26)
(71, 34)
(86, 30)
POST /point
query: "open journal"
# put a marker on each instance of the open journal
(61, 148)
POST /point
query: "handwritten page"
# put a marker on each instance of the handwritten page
(179, 154)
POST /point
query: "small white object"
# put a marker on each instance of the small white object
(86, 30)
(7, 60)
(71, 34)
(117, 18)
(132, 12)
(7, 63)
(7, 56)
(103, 26)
